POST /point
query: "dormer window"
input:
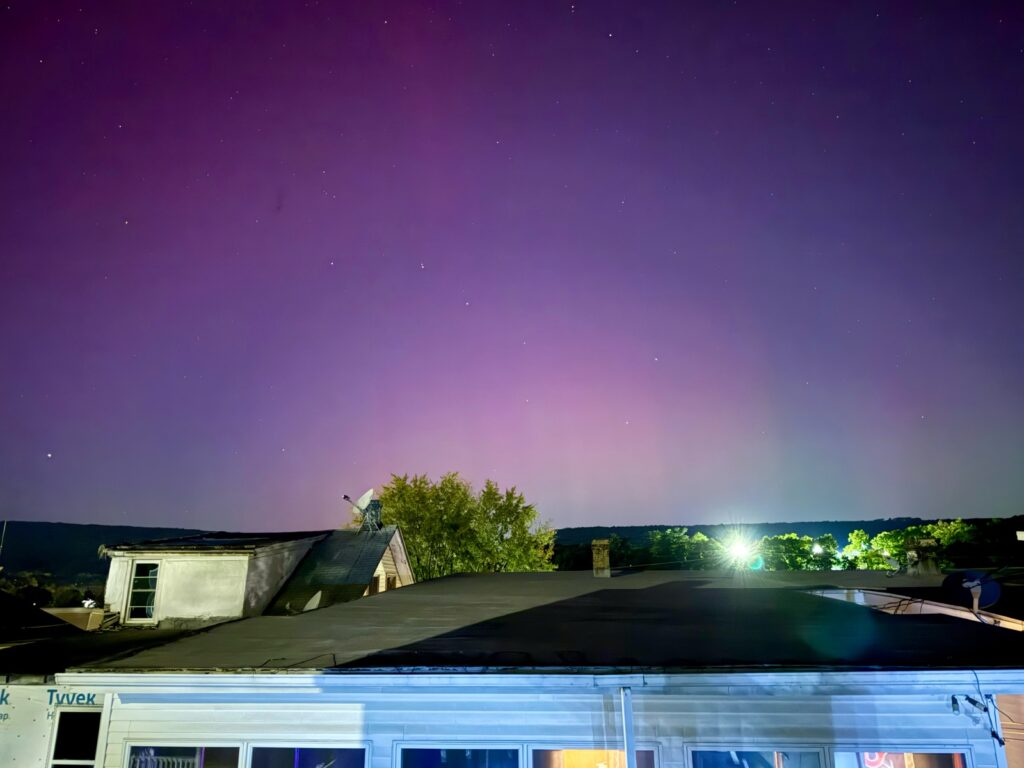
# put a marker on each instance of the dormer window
(142, 600)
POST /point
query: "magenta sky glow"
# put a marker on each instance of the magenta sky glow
(650, 262)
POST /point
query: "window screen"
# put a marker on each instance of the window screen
(899, 760)
(736, 759)
(142, 601)
(589, 758)
(306, 757)
(460, 758)
(77, 735)
(183, 757)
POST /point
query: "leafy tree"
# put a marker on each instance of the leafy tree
(572, 557)
(947, 541)
(705, 552)
(676, 548)
(824, 553)
(786, 552)
(510, 537)
(892, 549)
(449, 529)
(949, 533)
(859, 554)
(621, 551)
(891, 546)
(668, 547)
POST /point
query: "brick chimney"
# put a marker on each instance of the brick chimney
(602, 560)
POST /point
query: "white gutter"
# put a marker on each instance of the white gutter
(749, 683)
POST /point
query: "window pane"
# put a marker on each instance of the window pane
(460, 758)
(143, 599)
(143, 595)
(77, 734)
(899, 760)
(146, 570)
(183, 757)
(727, 759)
(589, 758)
(306, 757)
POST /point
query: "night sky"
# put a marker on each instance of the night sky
(649, 262)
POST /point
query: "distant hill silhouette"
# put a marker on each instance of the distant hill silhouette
(637, 534)
(68, 551)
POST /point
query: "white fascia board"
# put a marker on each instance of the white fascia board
(708, 684)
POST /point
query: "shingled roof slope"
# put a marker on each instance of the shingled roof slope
(337, 568)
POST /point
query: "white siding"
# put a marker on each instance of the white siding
(188, 586)
(670, 722)
(387, 564)
(1011, 715)
(201, 586)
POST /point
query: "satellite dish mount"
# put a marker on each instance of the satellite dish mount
(367, 509)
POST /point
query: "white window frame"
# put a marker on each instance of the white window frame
(131, 588)
(163, 741)
(305, 744)
(927, 748)
(640, 746)
(775, 745)
(398, 746)
(51, 760)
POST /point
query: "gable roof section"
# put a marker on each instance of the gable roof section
(337, 568)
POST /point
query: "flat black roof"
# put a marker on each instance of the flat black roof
(57, 654)
(570, 621)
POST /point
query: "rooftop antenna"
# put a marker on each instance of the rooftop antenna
(367, 509)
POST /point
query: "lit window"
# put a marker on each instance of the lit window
(589, 758)
(142, 600)
(735, 759)
(460, 758)
(306, 757)
(899, 760)
(183, 757)
(77, 736)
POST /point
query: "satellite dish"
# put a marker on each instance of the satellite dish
(359, 505)
(314, 602)
(363, 501)
(971, 589)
